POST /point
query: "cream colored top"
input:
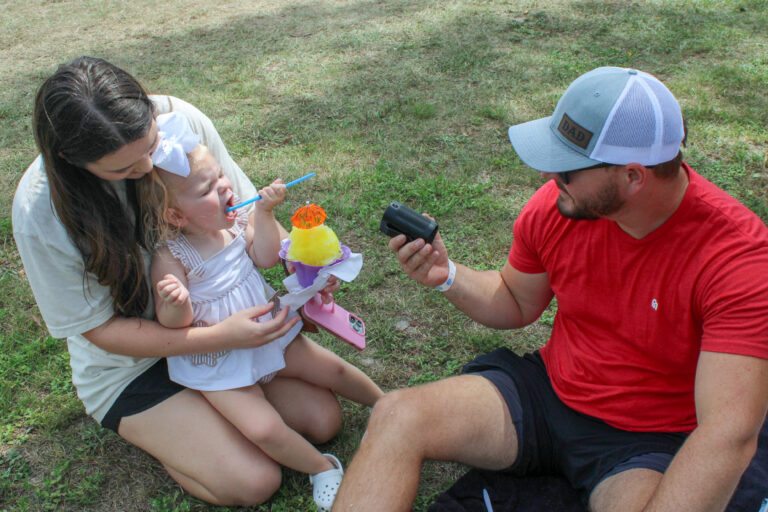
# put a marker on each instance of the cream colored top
(71, 305)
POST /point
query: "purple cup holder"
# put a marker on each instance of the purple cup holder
(307, 273)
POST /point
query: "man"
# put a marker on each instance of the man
(651, 391)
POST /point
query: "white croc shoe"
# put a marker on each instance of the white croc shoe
(325, 484)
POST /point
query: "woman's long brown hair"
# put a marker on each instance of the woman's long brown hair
(87, 109)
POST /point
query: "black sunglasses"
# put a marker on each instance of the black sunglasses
(566, 175)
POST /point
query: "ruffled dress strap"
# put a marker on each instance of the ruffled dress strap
(184, 251)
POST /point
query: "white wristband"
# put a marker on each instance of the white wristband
(451, 276)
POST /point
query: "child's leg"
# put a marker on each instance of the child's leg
(306, 360)
(312, 411)
(251, 413)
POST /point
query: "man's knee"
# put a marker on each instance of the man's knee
(398, 411)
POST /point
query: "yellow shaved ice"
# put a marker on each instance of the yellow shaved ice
(316, 246)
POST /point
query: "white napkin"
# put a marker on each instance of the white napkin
(297, 296)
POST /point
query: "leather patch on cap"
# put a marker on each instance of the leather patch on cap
(573, 132)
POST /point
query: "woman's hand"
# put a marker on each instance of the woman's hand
(426, 263)
(244, 330)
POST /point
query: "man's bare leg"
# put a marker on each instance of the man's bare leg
(627, 491)
(462, 419)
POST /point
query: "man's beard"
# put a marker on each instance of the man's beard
(605, 202)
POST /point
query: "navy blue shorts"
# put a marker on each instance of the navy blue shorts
(555, 439)
(145, 391)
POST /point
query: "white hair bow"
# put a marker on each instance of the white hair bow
(176, 140)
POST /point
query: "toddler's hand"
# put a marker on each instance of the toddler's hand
(271, 195)
(171, 291)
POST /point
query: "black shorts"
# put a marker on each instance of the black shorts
(145, 391)
(555, 439)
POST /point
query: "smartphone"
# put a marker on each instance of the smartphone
(336, 320)
(276, 309)
(398, 219)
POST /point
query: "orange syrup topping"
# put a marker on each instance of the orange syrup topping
(308, 216)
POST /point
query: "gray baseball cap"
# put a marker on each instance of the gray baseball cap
(608, 115)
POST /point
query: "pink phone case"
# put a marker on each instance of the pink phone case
(336, 320)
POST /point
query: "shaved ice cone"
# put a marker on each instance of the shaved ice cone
(316, 246)
(311, 245)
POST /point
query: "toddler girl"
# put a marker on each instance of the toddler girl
(204, 271)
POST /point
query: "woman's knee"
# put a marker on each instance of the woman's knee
(242, 483)
(262, 486)
(253, 488)
(324, 423)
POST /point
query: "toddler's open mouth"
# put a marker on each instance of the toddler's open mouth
(230, 215)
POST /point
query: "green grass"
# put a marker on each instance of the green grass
(405, 100)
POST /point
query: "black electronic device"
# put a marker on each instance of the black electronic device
(398, 219)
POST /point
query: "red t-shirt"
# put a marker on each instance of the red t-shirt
(633, 315)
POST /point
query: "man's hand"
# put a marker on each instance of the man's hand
(731, 400)
(426, 263)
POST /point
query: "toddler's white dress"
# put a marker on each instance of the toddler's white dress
(224, 284)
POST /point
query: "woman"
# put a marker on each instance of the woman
(84, 249)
